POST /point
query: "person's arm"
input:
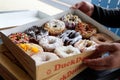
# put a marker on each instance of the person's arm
(108, 62)
(108, 17)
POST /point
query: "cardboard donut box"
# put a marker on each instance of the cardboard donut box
(54, 69)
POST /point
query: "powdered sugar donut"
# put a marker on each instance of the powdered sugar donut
(65, 51)
(71, 20)
(49, 43)
(55, 27)
(85, 45)
(44, 57)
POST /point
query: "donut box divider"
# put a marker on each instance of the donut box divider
(48, 69)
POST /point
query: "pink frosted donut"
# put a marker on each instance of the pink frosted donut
(65, 51)
(44, 57)
(85, 45)
(49, 43)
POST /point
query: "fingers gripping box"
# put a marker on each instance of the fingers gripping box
(39, 72)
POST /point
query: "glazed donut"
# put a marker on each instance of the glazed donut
(71, 20)
(65, 51)
(101, 38)
(55, 27)
(35, 33)
(50, 43)
(69, 37)
(86, 29)
(44, 57)
(85, 45)
(30, 48)
(19, 37)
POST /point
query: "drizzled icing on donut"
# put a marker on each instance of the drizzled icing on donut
(36, 33)
(70, 37)
(71, 20)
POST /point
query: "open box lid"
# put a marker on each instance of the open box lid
(9, 19)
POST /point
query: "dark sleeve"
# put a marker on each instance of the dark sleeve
(108, 17)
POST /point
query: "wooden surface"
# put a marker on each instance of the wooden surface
(9, 69)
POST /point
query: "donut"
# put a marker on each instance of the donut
(101, 38)
(35, 33)
(85, 45)
(50, 43)
(71, 20)
(86, 29)
(54, 27)
(44, 57)
(19, 37)
(30, 48)
(65, 51)
(69, 37)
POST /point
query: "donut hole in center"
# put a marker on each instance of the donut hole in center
(71, 19)
(55, 26)
(46, 58)
(51, 41)
(88, 44)
(69, 51)
(101, 40)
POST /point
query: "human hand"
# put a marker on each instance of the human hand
(85, 7)
(109, 62)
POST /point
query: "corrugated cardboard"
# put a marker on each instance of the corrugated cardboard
(43, 71)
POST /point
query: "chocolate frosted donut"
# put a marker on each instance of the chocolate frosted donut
(36, 33)
(69, 37)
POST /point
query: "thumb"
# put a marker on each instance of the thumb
(77, 5)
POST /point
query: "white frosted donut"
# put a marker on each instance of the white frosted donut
(55, 27)
(85, 45)
(44, 57)
(49, 43)
(65, 51)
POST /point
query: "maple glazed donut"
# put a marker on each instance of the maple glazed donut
(19, 37)
(85, 45)
(49, 43)
(30, 48)
(71, 20)
(65, 51)
(86, 29)
(55, 27)
(101, 38)
(69, 37)
(44, 57)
